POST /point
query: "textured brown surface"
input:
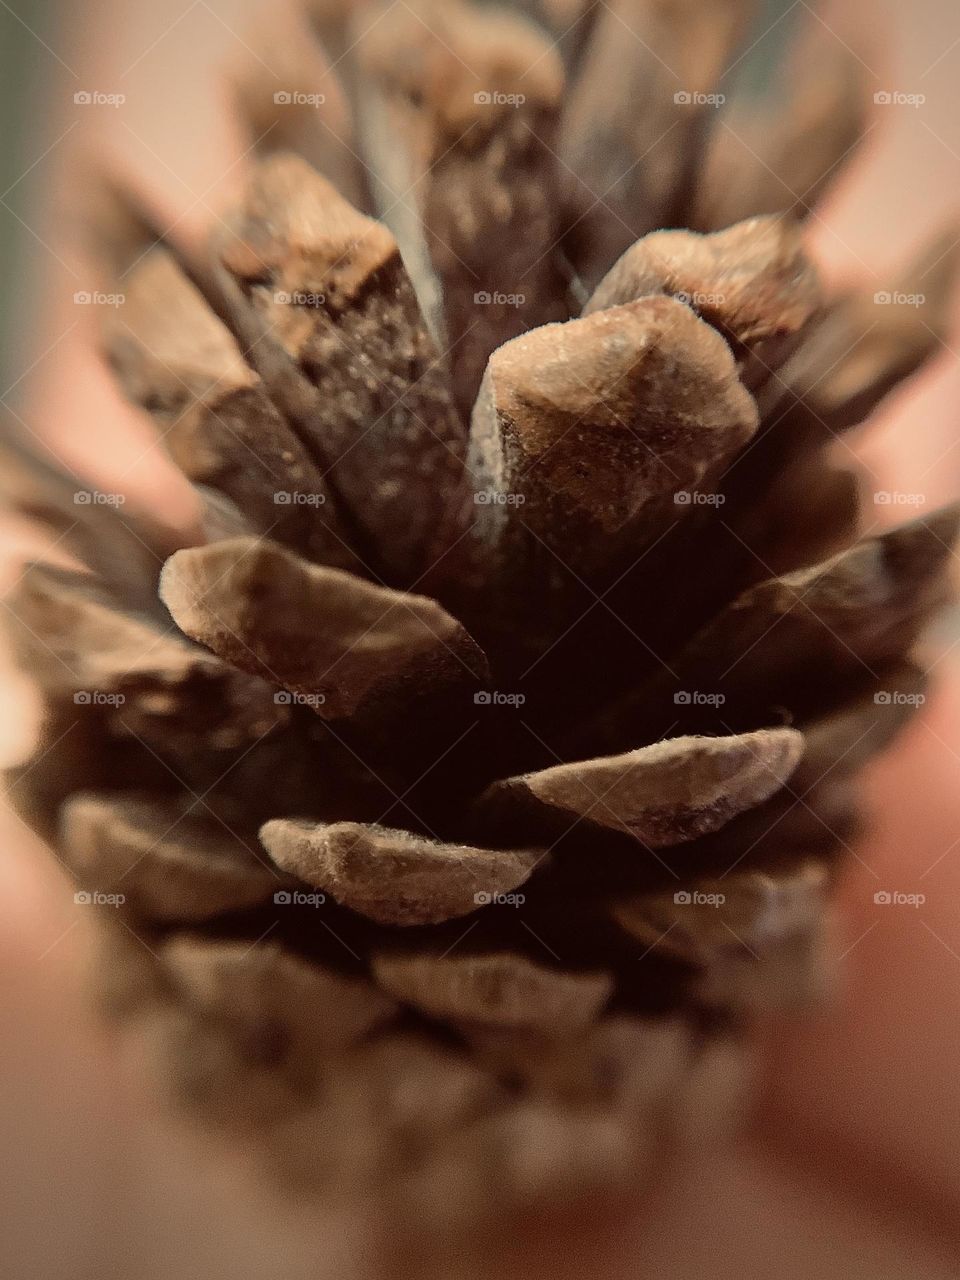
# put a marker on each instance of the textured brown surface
(746, 913)
(753, 282)
(495, 990)
(331, 639)
(169, 866)
(635, 119)
(849, 614)
(458, 108)
(394, 877)
(329, 286)
(666, 793)
(147, 679)
(590, 423)
(174, 357)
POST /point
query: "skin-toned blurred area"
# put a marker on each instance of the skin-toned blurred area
(851, 1168)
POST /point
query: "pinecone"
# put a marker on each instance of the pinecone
(485, 766)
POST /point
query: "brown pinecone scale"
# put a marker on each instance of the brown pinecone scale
(484, 765)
